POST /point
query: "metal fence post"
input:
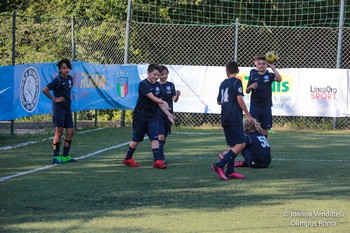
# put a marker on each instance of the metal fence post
(339, 46)
(126, 50)
(12, 131)
(236, 41)
(73, 59)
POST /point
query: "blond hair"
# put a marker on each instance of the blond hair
(251, 127)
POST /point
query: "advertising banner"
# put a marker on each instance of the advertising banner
(302, 92)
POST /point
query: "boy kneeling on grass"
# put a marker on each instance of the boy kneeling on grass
(257, 151)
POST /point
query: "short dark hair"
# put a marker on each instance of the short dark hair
(232, 67)
(163, 67)
(261, 58)
(152, 67)
(64, 61)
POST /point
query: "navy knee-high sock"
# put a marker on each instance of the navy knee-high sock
(66, 148)
(230, 166)
(56, 149)
(161, 150)
(228, 157)
(130, 153)
(155, 154)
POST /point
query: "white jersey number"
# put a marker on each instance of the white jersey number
(264, 142)
(224, 96)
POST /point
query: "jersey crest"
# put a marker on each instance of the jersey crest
(266, 78)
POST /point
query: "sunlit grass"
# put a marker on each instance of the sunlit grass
(309, 172)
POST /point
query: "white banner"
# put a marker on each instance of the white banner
(302, 92)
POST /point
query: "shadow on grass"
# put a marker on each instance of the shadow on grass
(102, 186)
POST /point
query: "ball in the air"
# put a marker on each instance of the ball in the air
(271, 57)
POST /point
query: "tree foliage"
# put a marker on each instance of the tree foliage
(102, 10)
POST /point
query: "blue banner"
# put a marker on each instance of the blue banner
(95, 87)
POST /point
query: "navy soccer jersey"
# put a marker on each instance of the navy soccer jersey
(261, 97)
(259, 148)
(62, 87)
(254, 71)
(168, 92)
(231, 112)
(145, 108)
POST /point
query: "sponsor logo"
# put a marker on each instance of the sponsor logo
(122, 86)
(323, 93)
(29, 89)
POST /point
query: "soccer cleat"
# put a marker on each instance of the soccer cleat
(57, 160)
(219, 171)
(240, 164)
(235, 175)
(130, 162)
(159, 164)
(68, 159)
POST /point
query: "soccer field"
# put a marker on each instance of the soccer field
(305, 189)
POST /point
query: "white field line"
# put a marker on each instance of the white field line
(176, 157)
(43, 140)
(52, 165)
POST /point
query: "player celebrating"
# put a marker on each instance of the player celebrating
(230, 98)
(145, 117)
(62, 114)
(259, 85)
(170, 95)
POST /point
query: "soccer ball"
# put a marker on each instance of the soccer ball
(271, 57)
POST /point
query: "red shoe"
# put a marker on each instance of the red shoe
(130, 162)
(240, 164)
(219, 171)
(236, 175)
(159, 164)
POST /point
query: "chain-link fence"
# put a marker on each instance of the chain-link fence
(48, 40)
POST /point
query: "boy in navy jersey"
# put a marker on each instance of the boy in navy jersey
(230, 98)
(170, 95)
(62, 114)
(257, 152)
(255, 61)
(145, 117)
(259, 85)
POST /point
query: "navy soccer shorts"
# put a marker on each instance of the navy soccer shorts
(62, 118)
(164, 125)
(263, 116)
(141, 127)
(250, 160)
(234, 135)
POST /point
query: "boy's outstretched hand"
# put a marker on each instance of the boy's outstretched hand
(171, 118)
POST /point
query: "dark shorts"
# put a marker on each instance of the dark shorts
(141, 127)
(252, 162)
(263, 116)
(234, 135)
(164, 125)
(62, 117)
